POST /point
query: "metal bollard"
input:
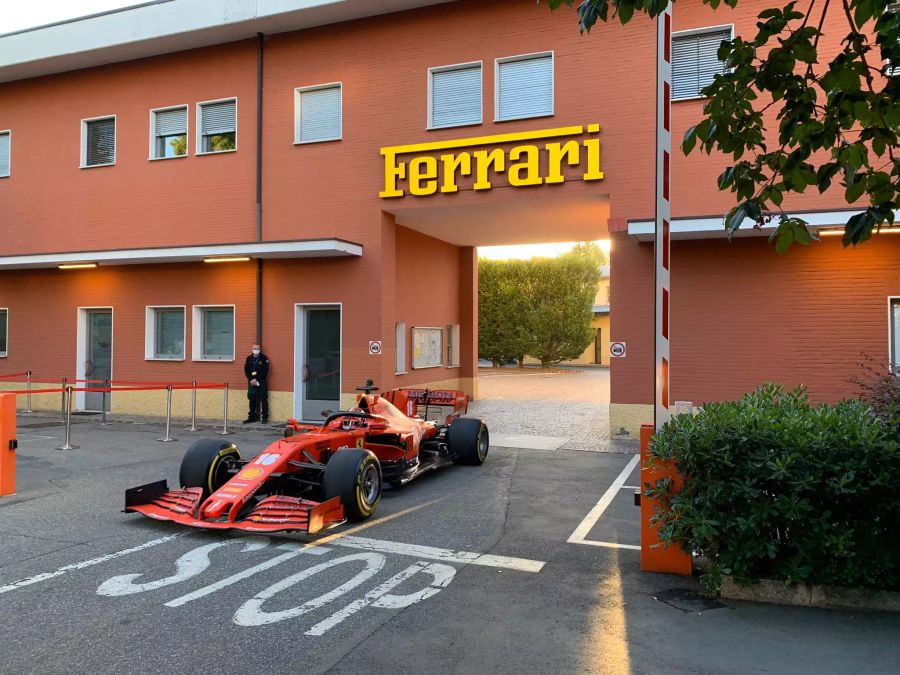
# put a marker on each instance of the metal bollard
(68, 445)
(193, 426)
(225, 431)
(103, 421)
(28, 386)
(62, 405)
(168, 438)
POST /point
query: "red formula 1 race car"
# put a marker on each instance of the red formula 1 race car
(318, 476)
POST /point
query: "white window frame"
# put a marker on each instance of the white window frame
(5, 352)
(197, 333)
(150, 333)
(524, 57)
(893, 358)
(7, 132)
(297, 96)
(400, 363)
(187, 130)
(198, 136)
(84, 125)
(452, 345)
(688, 33)
(429, 124)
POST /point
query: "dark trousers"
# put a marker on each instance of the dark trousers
(259, 400)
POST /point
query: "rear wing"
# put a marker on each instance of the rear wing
(437, 405)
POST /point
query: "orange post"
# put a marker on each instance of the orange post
(7, 444)
(655, 557)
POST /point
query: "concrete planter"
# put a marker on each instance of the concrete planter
(802, 595)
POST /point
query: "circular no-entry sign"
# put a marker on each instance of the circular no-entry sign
(617, 349)
(375, 347)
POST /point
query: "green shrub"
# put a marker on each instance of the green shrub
(776, 488)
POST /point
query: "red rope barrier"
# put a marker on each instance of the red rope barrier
(22, 374)
(114, 389)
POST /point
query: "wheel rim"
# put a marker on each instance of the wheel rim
(483, 444)
(370, 484)
(222, 472)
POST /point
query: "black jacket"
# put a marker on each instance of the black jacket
(257, 368)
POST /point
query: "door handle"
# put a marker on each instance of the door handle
(306, 372)
(88, 368)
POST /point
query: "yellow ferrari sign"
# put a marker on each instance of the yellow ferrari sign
(537, 158)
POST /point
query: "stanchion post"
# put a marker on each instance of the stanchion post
(224, 431)
(103, 421)
(62, 404)
(7, 444)
(28, 386)
(68, 445)
(193, 426)
(168, 437)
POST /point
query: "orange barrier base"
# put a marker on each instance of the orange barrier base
(7, 444)
(655, 557)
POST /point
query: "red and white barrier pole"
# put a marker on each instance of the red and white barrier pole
(663, 212)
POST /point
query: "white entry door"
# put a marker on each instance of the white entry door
(318, 359)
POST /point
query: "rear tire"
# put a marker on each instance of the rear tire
(354, 475)
(468, 441)
(206, 464)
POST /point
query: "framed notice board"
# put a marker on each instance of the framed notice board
(427, 344)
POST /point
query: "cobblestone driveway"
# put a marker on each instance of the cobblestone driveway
(573, 403)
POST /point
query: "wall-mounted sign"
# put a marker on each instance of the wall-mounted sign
(427, 347)
(617, 350)
(375, 347)
(536, 158)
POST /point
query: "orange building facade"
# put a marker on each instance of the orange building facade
(359, 224)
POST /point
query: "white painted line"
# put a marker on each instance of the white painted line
(520, 442)
(441, 554)
(293, 550)
(629, 487)
(578, 536)
(86, 563)
(608, 544)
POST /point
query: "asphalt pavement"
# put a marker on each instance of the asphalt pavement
(466, 570)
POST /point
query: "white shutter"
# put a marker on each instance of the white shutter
(694, 61)
(525, 87)
(456, 96)
(400, 342)
(218, 118)
(4, 154)
(320, 115)
(171, 122)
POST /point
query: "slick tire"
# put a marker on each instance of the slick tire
(206, 465)
(354, 475)
(468, 441)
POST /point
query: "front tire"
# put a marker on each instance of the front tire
(354, 475)
(207, 464)
(468, 441)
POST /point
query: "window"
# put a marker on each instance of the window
(217, 126)
(98, 142)
(453, 345)
(168, 132)
(524, 86)
(5, 142)
(4, 330)
(165, 333)
(400, 341)
(694, 60)
(318, 114)
(213, 333)
(454, 96)
(895, 334)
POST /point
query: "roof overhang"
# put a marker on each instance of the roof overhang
(310, 248)
(713, 227)
(164, 26)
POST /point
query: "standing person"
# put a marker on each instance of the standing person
(256, 369)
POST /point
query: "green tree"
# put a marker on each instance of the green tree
(837, 114)
(502, 310)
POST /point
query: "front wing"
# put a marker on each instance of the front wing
(277, 513)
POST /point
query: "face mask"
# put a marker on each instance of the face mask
(255, 352)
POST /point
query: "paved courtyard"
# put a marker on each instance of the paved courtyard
(568, 405)
(466, 570)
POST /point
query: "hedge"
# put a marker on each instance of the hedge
(777, 488)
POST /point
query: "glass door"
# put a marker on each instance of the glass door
(322, 361)
(98, 360)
